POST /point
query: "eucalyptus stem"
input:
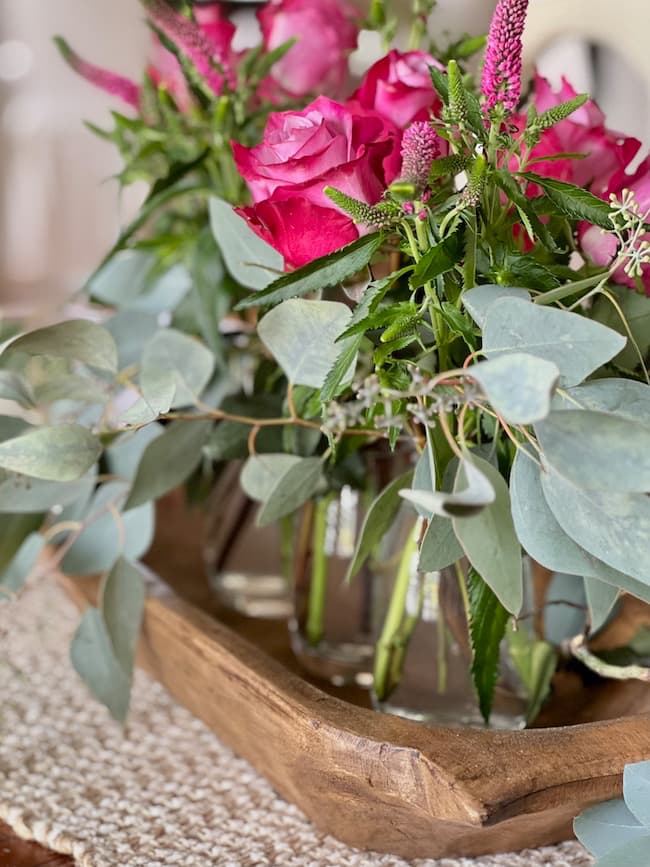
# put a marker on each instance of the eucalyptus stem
(314, 627)
(389, 643)
(441, 660)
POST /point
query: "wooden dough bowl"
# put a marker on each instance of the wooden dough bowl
(376, 781)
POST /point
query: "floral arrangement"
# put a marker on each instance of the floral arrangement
(449, 268)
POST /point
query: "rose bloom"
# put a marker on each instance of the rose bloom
(600, 247)
(302, 152)
(165, 70)
(326, 34)
(583, 132)
(399, 88)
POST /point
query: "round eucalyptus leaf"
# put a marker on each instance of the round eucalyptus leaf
(636, 791)
(173, 357)
(519, 386)
(301, 336)
(601, 599)
(477, 301)
(76, 340)
(298, 485)
(577, 345)
(124, 456)
(123, 278)
(626, 398)
(60, 453)
(24, 495)
(607, 826)
(565, 608)
(261, 473)
(14, 387)
(131, 330)
(468, 498)
(597, 450)
(613, 527)
(13, 577)
(440, 547)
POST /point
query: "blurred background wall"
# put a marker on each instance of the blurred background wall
(59, 213)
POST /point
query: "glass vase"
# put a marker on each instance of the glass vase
(423, 660)
(248, 567)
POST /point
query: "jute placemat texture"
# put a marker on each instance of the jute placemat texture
(164, 791)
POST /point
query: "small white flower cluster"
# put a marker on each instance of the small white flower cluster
(421, 401)
(630, 228)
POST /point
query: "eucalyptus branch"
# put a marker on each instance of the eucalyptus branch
(577, 647)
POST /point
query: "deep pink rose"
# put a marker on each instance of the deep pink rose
(302, 152)
(583, 132)
(399, 88)
(601, 248)
(326, 32)
(218, 33)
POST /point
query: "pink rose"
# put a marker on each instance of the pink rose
(601, 248)
(302, 152)
(583, 132)
(399, 88)
(326, 33)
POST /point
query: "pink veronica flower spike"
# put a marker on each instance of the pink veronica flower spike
(501, 82)
(110, 82)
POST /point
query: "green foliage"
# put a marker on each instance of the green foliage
(574, 202)
(293, 488)
(618, 832)
(535, 662)
(519, 386)
(487, 628)
(322, 273)
(76, 340)
(469, 498)
(59, 453)
(103, 648)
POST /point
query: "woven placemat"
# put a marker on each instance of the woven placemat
(164, 791)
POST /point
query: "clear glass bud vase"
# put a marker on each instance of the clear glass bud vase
(331, 630)
(423, 659)
(248, 567)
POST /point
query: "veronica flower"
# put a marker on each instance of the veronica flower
(420, 147)
(501, 82)
(110, 82)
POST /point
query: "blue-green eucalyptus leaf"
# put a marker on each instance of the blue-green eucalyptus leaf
(636, 791)
(124, 456)
(14, 530)
(122, 606)
(24, 495)
(563, 621)
(519, 386)
(605, 827)
(577, 345)
(14, 387)
(292, 490)
(477, 301)
(636, 310)
(597, 450)
(13, 577)
(131, 330)
(631, 854)
(110, 532)
(469, 497)
(171, 356)
(624, 398)
(75, 340)
(440, 547)
(250, 260)
(601, 599)
(123, 278)
(168, 461)
(614, 527)
(70, 387)
(59, 453)
(261, 473)
(489, 539)
(302, 337)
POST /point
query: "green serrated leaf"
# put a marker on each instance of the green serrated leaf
(329, 270)
(574, 202)
(438, 260)
(487, 628)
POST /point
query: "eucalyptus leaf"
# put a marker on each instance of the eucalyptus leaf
(261, 473)
(603, 828)
(301, 335)
(171, 356)
(614, 527)
(168, 461)
(440, 547)
(13, 577)
(94, 659)
(24, 495)
(250, 260)
(124, 456)
(634, 853)
(489, 539)
(11, 427)
(123, 278)
(544, 539)
(424, 476)
(329, 270)
(477, 301)
(60, 453)
(14, 530)
(636, 310)
(563, 621)
(122, 606)
(299, 484)
(70, 387)
(601, 599)
(636, 791)
(536, 662)
(577, 345)
(76, 340)
(465, 501)
(109, 532)
(624, 398)
(519, 386)
(378, 520)
(131, 330)
(14, 387)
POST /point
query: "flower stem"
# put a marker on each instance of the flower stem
(314, 627)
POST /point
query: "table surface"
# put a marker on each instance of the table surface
(15, 852)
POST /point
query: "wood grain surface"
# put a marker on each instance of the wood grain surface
(15, 852)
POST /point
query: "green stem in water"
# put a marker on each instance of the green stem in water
(314, 627)
(442, 651)
(286, 547)
(389, 640)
